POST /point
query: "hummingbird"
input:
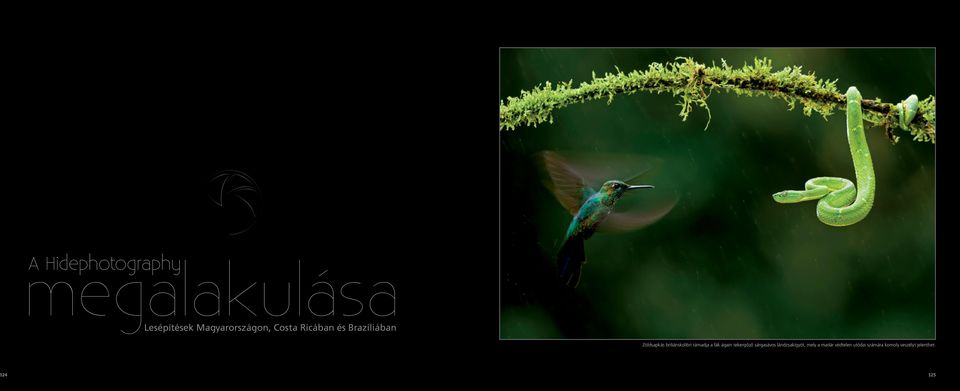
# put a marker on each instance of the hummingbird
(592, 210)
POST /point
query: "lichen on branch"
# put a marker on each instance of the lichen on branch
(694, 82)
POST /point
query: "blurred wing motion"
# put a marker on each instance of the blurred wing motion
(566, 184)
(631, 220)
(572, 177)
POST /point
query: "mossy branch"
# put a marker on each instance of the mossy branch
(694, 82)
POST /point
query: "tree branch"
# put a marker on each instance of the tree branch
(693, 82)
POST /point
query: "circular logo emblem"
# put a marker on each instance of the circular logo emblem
(237, 196)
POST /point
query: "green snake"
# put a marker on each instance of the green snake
(842, 204)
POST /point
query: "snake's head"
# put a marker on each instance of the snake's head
(787, 196)
(779, 197)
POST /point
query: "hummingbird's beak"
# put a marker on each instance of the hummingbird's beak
(640, 187)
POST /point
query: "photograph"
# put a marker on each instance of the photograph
(718, 193)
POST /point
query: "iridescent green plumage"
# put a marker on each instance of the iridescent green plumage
(591, 210)
(597, 207)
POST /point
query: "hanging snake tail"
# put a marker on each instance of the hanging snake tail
(570, 261)
(906, 111)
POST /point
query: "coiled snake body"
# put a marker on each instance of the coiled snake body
(841, 203)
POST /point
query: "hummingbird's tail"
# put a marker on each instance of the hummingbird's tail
(570, 261)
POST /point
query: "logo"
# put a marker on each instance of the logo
(237, 196)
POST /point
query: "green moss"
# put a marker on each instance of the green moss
(694, 82)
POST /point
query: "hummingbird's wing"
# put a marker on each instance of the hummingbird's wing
(572, 177)
(563, 180)
(636, 219)
(594, 168)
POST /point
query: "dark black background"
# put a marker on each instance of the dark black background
(120, 134)
(376, 160)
